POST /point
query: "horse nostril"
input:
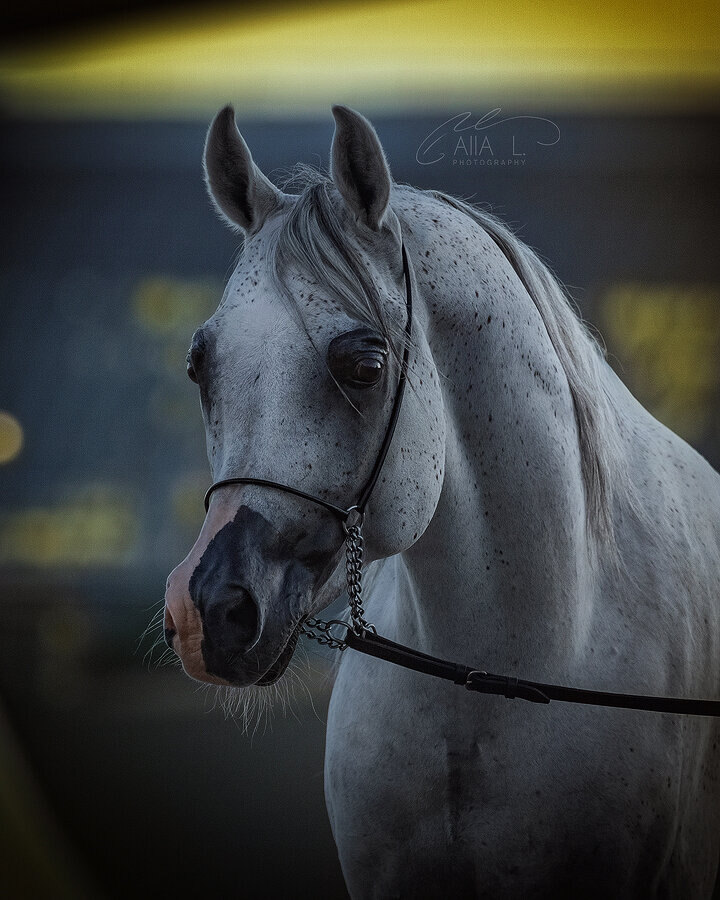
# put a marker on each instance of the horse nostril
(169, 629)
(242, 618)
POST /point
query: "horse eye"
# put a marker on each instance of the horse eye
(368, 371)
(357, 358)
(194, 358)
(190, 370)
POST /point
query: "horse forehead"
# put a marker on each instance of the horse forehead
(257, 335)
(254, 310)
(251, 309)
(249, 290)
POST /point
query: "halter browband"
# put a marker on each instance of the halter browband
(358, 507)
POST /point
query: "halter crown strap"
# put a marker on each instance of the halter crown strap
(359, 507)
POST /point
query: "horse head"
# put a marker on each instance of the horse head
(297, 372)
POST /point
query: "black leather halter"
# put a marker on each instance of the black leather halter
(359, 507)
(364, 638)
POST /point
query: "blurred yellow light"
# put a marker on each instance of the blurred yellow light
(298, 59)
(11, 438)
(97, 528)
(174, 307)
(186, 491)
(668, 340)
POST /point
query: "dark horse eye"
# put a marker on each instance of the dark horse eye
(357, 359)
(191, 372)
(368, 370)
(195, 355)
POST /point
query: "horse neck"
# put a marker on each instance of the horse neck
(503, 567)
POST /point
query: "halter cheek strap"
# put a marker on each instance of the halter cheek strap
(358, 508)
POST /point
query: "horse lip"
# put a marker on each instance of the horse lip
(282, 661)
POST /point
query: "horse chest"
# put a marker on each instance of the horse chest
(429, 794)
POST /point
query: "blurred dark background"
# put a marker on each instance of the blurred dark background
(119, 778)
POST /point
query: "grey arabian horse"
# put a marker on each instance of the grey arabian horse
(530, 518)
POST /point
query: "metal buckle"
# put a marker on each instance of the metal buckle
(353, 519)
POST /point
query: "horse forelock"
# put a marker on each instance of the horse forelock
(314, 239)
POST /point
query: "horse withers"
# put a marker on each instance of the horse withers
(530, 517)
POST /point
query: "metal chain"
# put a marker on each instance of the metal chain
(353, 569)
(319, 630)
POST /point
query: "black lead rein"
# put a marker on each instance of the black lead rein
(362, 637)
(516, 688)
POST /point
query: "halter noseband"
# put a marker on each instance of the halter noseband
(347, 515)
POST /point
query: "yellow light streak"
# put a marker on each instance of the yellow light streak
(409, 55)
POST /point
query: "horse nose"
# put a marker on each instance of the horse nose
(231, 624)
(242, 619)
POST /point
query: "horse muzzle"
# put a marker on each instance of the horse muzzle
(234, 607)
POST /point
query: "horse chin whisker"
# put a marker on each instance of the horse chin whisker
(167, 654)
(155, 629)
(254, 706)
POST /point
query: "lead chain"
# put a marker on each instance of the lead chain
(319, 630)
(353, 569)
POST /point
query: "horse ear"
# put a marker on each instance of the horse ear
(239, 190)
(359, 168)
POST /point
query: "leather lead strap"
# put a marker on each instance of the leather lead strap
(510, 687)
